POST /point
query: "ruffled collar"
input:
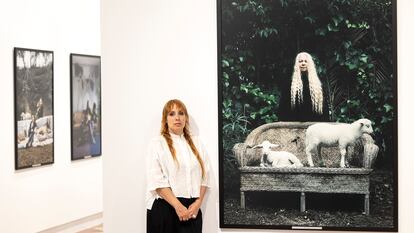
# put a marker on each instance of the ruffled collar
(176, 136)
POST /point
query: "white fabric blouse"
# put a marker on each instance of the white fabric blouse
(185, 178)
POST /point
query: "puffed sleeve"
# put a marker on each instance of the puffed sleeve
(156, 171)
(206, 181)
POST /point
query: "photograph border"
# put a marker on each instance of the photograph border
(71, 106)
(16, 115)
(221, 151)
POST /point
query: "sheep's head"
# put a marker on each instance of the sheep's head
(266, 147)
(365, 126)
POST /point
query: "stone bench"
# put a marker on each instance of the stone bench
(330, 179)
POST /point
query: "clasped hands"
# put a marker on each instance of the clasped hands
(185, 214)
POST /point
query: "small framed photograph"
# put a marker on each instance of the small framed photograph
(85, 86)
(33, 104)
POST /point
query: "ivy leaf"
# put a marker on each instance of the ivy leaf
(387, 107)
(225, 63)
(364, 58)
(244, 88)
(336, 21)
(347, 44)
(332, 28)
(351, 66)
(225, 75)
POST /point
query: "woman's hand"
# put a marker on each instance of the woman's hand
(180, 209)
(194, 208)
(182, 212)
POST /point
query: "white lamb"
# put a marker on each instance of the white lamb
(328, 134)
(276, 158)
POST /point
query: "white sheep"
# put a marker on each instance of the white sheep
(25, 116)
(276, 158)
(328, 134)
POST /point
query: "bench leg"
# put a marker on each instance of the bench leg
(302, 202)
(366, 204)
(242, 200)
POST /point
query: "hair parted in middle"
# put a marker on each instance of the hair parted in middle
(315, 85)
(165, 132)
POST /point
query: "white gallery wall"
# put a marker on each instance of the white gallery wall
(153, 51)
(35, 199)
(157, 50)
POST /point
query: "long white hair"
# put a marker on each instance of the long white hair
(315, 86)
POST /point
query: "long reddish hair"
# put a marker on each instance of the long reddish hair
(166, 133)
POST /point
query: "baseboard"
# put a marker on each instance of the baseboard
(77, 225)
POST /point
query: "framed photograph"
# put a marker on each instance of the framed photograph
(33, 107)
(307, 99)
(85, 86)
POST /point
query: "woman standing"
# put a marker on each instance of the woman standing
(178, 175)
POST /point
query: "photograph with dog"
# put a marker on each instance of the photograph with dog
(85, 106)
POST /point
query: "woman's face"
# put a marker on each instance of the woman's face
(176, 119)
(303, 63)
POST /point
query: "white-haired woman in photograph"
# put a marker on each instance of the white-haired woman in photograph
(303, 98)
(178, 175)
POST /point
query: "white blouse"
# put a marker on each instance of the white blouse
(185, 178)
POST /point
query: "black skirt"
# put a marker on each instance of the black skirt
(162, 218)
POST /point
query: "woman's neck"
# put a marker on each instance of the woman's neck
(180, 133)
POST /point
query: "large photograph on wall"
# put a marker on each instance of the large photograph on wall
(308, 114)
(33, 90)
(85, 81)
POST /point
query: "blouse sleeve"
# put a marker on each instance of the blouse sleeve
(206, 181)
(156, 175)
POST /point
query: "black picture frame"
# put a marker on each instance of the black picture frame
(236, 59)
(33, 107)
(85, 106)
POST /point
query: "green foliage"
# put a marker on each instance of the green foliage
(245, 104)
